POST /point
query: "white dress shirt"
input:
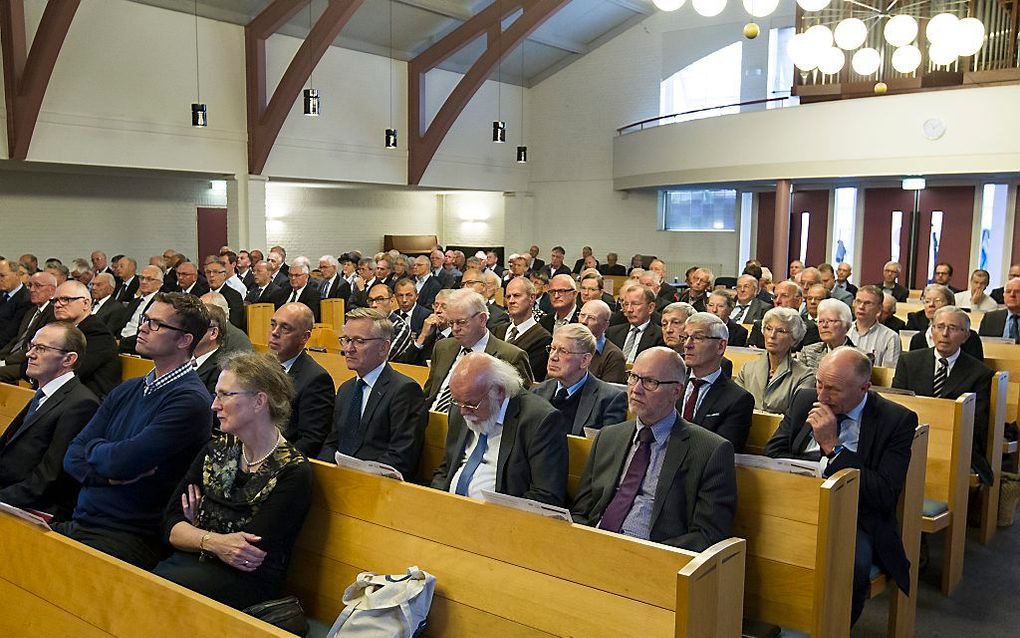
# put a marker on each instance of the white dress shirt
(485, 475)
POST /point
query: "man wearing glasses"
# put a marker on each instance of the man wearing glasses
(132, 454)
(501, 437)
(380, 414)
(216, 274)
(380, 299)
(659, 477)
(466, 313)
(582, 399)
(33, 447)
(299, 291)
(563, 297)
(98, 366)
(640, 332)
(523, 330)
(149, 283)
(312, 407)
(945, 371)
(41, 288)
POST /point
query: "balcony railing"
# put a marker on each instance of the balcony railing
(691, 115)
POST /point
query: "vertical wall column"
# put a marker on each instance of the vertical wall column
(781, 234)
(246, 211)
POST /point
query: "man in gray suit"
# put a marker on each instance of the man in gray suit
(659, 477)
(749, 307)
(836, 292)
(501, 437)
(584, 400)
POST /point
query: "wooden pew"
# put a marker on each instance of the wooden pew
(763, 426)
(13, 400)
(501, 572)
(1011, 366)
(331, 312)
(418, 373)
(132, 367)
(947, 474)
(742, 356)
(334, 365)
(53, 586)
(259, 315)
(612, 283)
(882, 376)
(324, 337)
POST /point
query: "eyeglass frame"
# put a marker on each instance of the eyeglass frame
(560, 351)
(633, 379)
(220, 396)
(357, 342)
(155, 325)
(42, 348)
(460, 323)
(63, 301)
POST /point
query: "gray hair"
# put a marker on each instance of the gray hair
(529, 287)
(302, 262)
(468, 300)
(108, 278)
(602, 307)
(711, 323)
(679, 306)
(726, 296)
(790, 319)
(766, 275)
(333, 261)
(382, 327)
(497, 374)
(952, 310)
(939, 289)
(579, 334)
(841, 309)
(490, 278)
(750, 277)
(218, 300)
(444, 293)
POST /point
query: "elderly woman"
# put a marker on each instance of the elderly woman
(834, 319)
(934, 297)
(234, 518)
(776, 377)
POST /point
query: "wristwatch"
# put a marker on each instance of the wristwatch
(836, 450)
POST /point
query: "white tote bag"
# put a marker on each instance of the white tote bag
(379, 606)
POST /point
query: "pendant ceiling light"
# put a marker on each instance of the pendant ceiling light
(311, 96)
(498, 125)
(391, 132)
(522, 150)
(199, 115)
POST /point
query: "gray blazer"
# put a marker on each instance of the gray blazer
(777, 395)
(601, 404)
(696, 494)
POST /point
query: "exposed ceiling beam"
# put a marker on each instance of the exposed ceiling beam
(637, 6)
(449, 9)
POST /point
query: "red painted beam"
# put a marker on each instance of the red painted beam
(424, 142)
(26, 77)
(266, 119)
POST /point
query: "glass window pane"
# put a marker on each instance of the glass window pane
(895, 234)
(935, 243)
(843, 226)
(699, 210)
(714, 80)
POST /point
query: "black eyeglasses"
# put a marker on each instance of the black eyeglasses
(43, 349)
(648, 383)
(357, 342)
(155, 325)
(62, 301)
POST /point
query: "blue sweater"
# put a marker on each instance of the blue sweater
(130, 435)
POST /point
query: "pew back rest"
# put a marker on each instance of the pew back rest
(53, 586)
(501, 572)
(336, 366)
(801, 536)
(741, 357)
(763, 426)
(950, 440)
(134, 367)
(1012, 367)
(324, 337)
(331, 312)
(13, 400)
(259, 315)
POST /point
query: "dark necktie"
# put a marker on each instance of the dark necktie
(4, 297)
(738, 314)
(617, 510)
(325, 289)
(472, 464)
(293, 297)
(511, 334)
(941, 374)
(631, 344)
(445, 399)
(1014, 328)
(29, 332)
(692, 400)
(33, 406)
(351, 435)
(561, 398)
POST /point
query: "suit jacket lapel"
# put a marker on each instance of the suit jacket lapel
(711, 396)
(376, 397)
(869, 424)
(926, 375)
(676, 451)
(585, 407)
(507, 440)
(49, 405)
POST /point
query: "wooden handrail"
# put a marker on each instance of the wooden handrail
(640, 124)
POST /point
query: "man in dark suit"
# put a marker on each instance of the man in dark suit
(890, 273)
(944, 275)
(720, 303)
(188, 281)
(787, 295)
(998, 294)
(216, 274)
(433, 329)
(711, 398)
(523, 331)
(534, 264)
(583, 399)
(695, 489)
(14, 301)
(312, 407)
(843, 425)
(563, 297)
(436, 259)
(640, 332)
(674, 332)
(467, 315)
(264, 290)
(380, 414)
(1005, 322)
(278, 269)
(127, 268)
(748, 308)
(611, 267)
(33, 446)
(104, 307)
(209, 351)
(590, 287)
(333, 285)
(408, 309)
(945, 371)
(299, 290)
(608, 362)
(41, 288)
(244, 269)
(426, 284)
(888, 316)
(501, 437)
(497, 314)
(697, 293)
(492, 263)
(149, 284)
(474, 279)
(556, 265)
(100, 264)
(843, 272)
(98, 366)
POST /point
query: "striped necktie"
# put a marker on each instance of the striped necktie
(941, 374)
(444, 401)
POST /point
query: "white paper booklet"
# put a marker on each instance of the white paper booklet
(790, 466)
(368, 467)
(25, 516)
(527, 505)
(590, 433)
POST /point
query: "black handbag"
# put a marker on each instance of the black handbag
(285, 613)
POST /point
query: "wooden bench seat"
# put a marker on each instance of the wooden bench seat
(132, 367)
(501, 572)
(13, 400)
(53, 586)
(258, 316)
(331, 313)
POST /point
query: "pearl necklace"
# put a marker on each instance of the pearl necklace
(250, 464)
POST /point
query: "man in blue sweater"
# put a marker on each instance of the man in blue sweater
(132, 454)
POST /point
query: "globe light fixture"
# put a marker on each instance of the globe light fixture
(813, 5)
(850, 33)
(709, 8)
(970, 33)
(900, 30)
(866, 61)
(760, 8)
(801, 52)
(942, 53)
(668, 5)
(751, 30)
(906, 59)
(942, 29)
(819, 37)
(832, 61)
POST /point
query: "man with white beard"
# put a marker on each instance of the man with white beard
(492, 409)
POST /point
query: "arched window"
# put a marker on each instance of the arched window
(714, 80)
